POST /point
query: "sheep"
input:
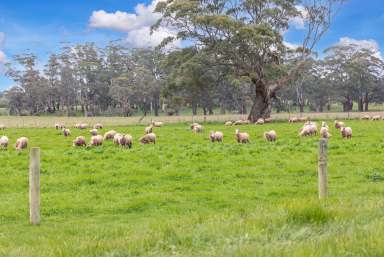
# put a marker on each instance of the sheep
(98, 126)
(83, 126)
(21, 143)
(66, 132)
(324, 133)
(157, 123)
(376, 117)
(346, 132)
(127, 140)
(148, 129)
(260, 121)
(293, 120)
(216, 136)
(4, 142)
(109, 135)
(2, 127)
(339, 124)
(148, 138)
(324, 125)
(270, 136)
(366, 117)
(96, 140)
(268, 120)
(242, 137)
(59, 126)
(198, 128)
(303, 119)
(309, 129)
(238, 122)
(116, 139)
(193, 125)
(77, 125)
(93, 132)
(79, 141)
(228, 123)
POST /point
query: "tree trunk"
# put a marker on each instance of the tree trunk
(360, 104)
(262, 104)
(204, 111)
(366, 102)
(194, 109)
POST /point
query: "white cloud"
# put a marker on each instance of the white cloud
(369, 44)
(137, 25)
(3, 57)
(298, 22)
(291, 46)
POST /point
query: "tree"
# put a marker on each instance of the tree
(246, 35)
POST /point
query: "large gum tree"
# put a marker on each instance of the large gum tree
(247, 35)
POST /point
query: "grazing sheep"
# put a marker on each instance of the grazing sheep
(339, 124)
(4, 142)
(293, 120)
(260, 121)
(309, 129)
(66, 132)
(197, 129)
(366, 117)
(268, 120)
(93, 132)
(303, 119)
(59, 126)
(324, 133)
(241, 122)
(242, 137)
(79, 141)
(98, 126)
(21, 143)
(83, 126)
(324, 125)
(2, 127)
(193, 125)
(270, 136)
(109, 135)
(216, 136)
(228, 123)
(127, 140)
(148, 129)
(117, 138)
(148, 138)
(376, 117)
(157, 123)
(96, 140)
(77, 125)
(346, 132)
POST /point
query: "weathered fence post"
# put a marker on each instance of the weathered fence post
(34, 186)
(322, 169)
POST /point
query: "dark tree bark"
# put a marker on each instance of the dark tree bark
(366, 102)
(360, 104)
(262, 104)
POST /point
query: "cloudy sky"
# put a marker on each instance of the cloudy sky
(41, 26)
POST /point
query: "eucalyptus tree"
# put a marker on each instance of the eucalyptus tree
(247, 36)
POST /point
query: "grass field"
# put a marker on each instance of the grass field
(185, 196)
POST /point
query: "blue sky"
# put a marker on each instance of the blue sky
(41, 25)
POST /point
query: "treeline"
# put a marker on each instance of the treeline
(114, 80)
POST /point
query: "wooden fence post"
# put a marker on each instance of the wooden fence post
(322, 169)
(34, 186)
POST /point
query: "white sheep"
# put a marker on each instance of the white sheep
(93, 132)
(79, 141)
(2, 127)
(4, 142)
(21, 143)
(346, 132)
(148, 138)
(197, 128)
(242, 137)
(376, 117)
(126, 141)
(157, 123)
(270, 135)
(339, 124)
(228, 123)
(98, 126)
(148, 129)
(66, 132)
(366, 117)
(96, 140)
(109, 135)
(260, 121)
(216, 136)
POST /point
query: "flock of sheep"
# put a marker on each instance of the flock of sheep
(309, 128)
